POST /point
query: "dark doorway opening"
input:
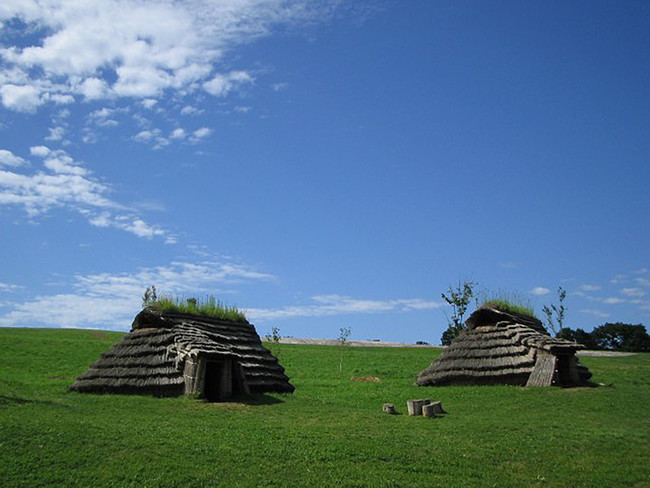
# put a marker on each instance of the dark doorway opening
(215, 379)
(224, 378)
(567, 373)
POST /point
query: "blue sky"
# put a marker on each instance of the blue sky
(323, 164)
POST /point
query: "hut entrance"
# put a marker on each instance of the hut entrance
(223, 379)
(567, 370)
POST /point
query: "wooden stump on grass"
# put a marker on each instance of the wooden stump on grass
(415, 406)
(429, 410)
(437, 407)
(389, 408)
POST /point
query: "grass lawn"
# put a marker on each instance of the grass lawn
(330, 432)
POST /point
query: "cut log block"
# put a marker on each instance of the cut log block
(415, 406)
(429, 410)
(437, 407)
(389, 408)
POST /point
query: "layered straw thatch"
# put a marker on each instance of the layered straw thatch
(165, 355)
(506, 348)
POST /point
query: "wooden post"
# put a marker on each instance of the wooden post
(415, 406)
(389, 408)
(429, 410)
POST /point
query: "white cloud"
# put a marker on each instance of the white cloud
(39, 151)
(131, 224)
(588, 288)
(56, 134)
(69, 185)
(57, 98)
(93, 89)
(139, 227)
(58, 161)
(111, 300)
(105, 117)
(62, 114)
(276, 87)
(146, 135)
(135, 48)
(152, 137)
(40, 192)
(633, 292)
(189, 110)
(71, 310)
(24, 98)
(89, 136)
(242, 109)
(7, 288)
(325, 305)
(540, 290)
(222, 84)
(200, 134)
(594, 313)
(149, 103)
(7, 158)
(177, 134)
(613, 300)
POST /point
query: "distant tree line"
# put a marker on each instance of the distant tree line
(611, 337)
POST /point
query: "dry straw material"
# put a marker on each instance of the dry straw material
(172, 355)
(506, 348)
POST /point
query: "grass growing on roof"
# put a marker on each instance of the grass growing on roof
(206, 307)
(508, 301)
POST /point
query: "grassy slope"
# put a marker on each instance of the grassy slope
(330, 432)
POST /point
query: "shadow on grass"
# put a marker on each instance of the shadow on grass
(259, 399)
(13, 400)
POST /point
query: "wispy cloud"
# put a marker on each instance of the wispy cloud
(200, 134)
(8, 288)
(67, 183)
(613, 300)
(110, 301)
(324, 305)
(588, 288)
(130, 224)
(277, 87)
(106, 117)
(222, 84)
(190, 110)
(539, 291)
(633, 292)
(156, 139)
(56, 133)
(594, 313)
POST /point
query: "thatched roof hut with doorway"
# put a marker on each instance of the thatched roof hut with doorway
(168, 354)
(500, 347)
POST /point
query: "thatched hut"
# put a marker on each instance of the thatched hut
(506, 348)
(172, 354)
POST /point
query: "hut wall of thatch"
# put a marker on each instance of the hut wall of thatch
(172, 355)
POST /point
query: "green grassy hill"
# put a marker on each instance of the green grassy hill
(330, 432)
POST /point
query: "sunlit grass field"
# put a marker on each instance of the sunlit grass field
(330, 432)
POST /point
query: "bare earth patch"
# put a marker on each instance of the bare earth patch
(366, 379)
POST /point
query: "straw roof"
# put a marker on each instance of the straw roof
(153, 357)
(505, 348)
